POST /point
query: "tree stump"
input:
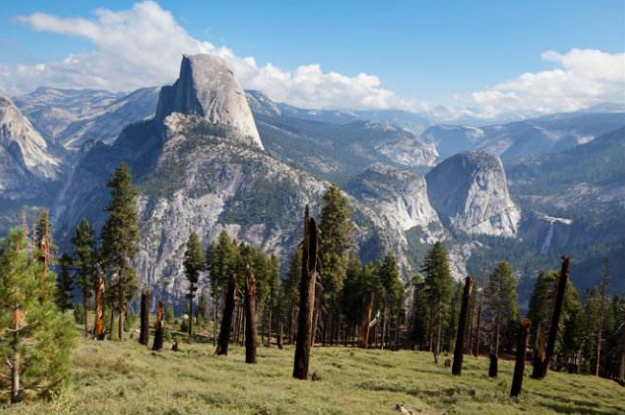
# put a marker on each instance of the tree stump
(519, 367)
(226, 320)
(251, 318)
(159, 327)
(308, 281)
(144, 335)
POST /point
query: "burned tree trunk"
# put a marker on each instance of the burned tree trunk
(555, 319)
(251, 319)
(366, 325)
(159, 327)
(462, 327)
(538, 352)
(226, 320)
(519, 367)
(98, 324)
(144, 335)
(307, 298)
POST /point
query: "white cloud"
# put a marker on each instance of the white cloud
(143, 47)
(584, 77)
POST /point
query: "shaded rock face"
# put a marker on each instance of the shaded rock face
(470, 193)
(207, 87)
(400, 195)
(23, 151)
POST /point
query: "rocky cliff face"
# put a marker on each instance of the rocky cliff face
(24, 153)
(207, 87)
(470, 193)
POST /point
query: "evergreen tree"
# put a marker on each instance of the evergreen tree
(222, 261)
(194, 263)
(120, 236)
(449, 336)
(501, 307)
(438, 293)
(291, 292)
(64, 284)
(418, 327)
(36, 340)
(392, 295)
(540, 310)
(335, 229)
(85, 259)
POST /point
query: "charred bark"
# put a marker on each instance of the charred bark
(251, 318)
(307, 297)
(519, 367)
(226, 320)
(144, 335)
(159, 327)
(555, 319)
(462, 327)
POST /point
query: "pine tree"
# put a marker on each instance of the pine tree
(335, 229)
(194, 263)
(85, 259)
(120, 236)
(438, 293)
(392, 294)
(418, 326)
(64, 284)
(36, 340)
(502, 307)
(221, 261)
(291, 292)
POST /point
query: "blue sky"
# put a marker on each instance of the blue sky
(431, 52)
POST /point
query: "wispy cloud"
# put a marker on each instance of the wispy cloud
(143, 47)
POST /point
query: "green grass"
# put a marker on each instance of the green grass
(113, 378)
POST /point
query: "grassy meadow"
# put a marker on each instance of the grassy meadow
(127, 378)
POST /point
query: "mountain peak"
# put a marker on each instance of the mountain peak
(208, 88)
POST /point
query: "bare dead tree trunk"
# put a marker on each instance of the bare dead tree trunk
(226, 320)
(251, 319)
(159, 327)
(519, 366)
(98, 324)
(366, 328)
(603, 293)
(462, 327)
(144, 335)
(555, 320)
(308, 285)
(493, 368)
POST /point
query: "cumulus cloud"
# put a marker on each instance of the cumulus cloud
(582, 78)
(143, 47)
